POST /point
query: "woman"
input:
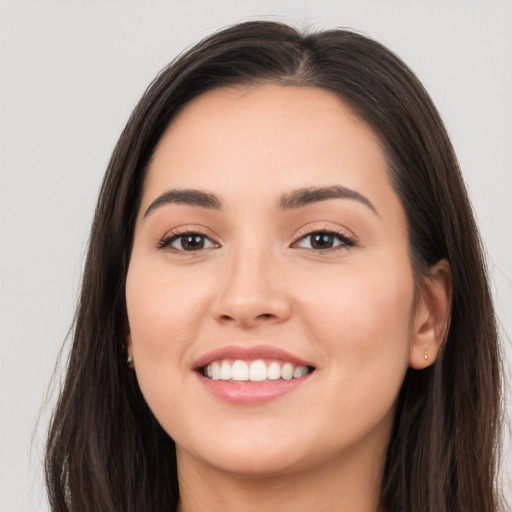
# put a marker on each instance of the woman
(285, 304)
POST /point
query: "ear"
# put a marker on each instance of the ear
(129, 349)
(432, 316)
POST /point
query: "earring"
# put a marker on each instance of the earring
(129, 360)
(426, 355)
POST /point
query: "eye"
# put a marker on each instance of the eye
(323, 241)
(188, 242)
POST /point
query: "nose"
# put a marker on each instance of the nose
(252, 291)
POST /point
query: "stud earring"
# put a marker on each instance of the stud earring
(426, 355)
(129, 360)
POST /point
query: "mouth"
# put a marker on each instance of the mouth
(245, 375)
(256, 370)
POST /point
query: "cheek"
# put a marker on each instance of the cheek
(163, 316)
(362, 321)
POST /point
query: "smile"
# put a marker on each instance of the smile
(254, 371)
(245, 375)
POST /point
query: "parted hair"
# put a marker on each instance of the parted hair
(107, 452)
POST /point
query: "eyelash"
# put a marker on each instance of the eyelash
(346, 240)
(168, 240)
(342, 236)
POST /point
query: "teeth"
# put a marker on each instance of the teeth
(258, 371)
(239, 370)
(287, 371)
(299, 372)
(255, 371)
(274, 371)
(225, 371)
(215, 371)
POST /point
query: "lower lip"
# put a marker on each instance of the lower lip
(251, 392)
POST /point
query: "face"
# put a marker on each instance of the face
(270, 291)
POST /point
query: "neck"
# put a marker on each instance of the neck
(348, 485)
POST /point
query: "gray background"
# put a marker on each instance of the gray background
(70, 73)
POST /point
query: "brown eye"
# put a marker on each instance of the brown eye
(189, 242)
(192, 242)
(324, 240)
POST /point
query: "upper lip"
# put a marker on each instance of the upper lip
(249, 353)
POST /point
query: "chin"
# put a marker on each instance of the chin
(263, 457)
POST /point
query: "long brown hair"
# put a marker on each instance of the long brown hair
(106, 451)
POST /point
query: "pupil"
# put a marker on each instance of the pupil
(192, 242)
(322, 241)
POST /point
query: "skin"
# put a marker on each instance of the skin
(348, 311)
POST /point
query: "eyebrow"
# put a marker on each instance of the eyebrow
(288, 201)
(305, 196)
(188, 196)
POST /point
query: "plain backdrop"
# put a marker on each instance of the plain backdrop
(70, 74)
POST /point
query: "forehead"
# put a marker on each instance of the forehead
(262, 138)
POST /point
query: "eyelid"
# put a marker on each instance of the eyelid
(165, 241)
(346, 236)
